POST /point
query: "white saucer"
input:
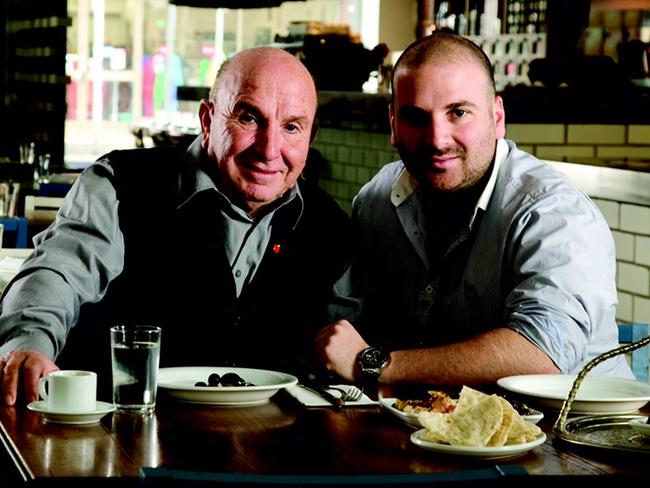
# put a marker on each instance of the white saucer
(101, 409)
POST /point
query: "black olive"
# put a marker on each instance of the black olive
(200, 383)
(232, 379)
(214, 379)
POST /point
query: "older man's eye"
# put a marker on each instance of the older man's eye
(292, 127)
(247, 118)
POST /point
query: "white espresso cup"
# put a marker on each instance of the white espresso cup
(69, 391)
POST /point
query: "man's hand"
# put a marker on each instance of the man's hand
(23, 366)
(337, 345)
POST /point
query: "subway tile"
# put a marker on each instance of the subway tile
(350, 173)
(352, 137)
(638, 134)
(338, 171)
(624, 246)
(340, 189)
(370, 157)
(327, 134)
(633, 278)
(364, 175)
(331, 152)
(365, 139)
(536, 133)
(642, 250)
(565, 153)
(352, 189)
(529, 148)
(635, 218)
(379, 140)
(623, 152)
(356, 155)
(343, 154)
(388, 157)
(595, 134)
(642, 310)
(388, 146)
(625, 308)
(610, 210)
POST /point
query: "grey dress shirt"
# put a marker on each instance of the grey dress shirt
(537, 257)
(78, 256)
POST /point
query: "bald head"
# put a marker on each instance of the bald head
(444, 47)
(245, 63)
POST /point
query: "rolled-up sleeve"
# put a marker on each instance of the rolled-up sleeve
(563, 296)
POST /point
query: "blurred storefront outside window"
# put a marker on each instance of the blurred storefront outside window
(126, 59)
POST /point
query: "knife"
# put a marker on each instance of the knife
(324, 394)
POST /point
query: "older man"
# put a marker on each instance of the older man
(221, 245)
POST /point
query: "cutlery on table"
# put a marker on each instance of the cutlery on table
(322, 392)
(349, 394)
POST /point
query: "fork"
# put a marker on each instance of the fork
(349, 394)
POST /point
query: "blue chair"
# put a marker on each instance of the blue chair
(640, 358)
(17, 225)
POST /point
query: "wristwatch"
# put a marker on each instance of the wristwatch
(372, 361)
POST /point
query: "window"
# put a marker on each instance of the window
(126, 59)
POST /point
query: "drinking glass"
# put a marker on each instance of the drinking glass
(135, 353)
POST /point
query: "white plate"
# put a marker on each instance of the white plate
(413, 420)
(503, 452)
(596, 395)
(641, 425)
(102, 408)
(178, 383)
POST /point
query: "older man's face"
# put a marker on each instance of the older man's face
(260, 127)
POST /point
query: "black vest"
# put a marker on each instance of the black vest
(177, 276)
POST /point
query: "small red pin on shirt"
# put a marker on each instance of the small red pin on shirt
(277, 248)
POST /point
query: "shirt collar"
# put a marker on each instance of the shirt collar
(406, 184)
(195, 179)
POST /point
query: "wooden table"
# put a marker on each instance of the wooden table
(276, 438)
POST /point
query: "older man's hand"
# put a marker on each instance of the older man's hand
(23, 369)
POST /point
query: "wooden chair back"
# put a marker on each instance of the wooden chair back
(41, 210)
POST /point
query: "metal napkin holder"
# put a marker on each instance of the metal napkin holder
(609, 432)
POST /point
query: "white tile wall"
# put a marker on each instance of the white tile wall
(642, 310)
(642, 250)
(610, 210)
(625, 309)
(635, 218)
(624, 245)
(633, 278)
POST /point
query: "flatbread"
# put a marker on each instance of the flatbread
(479, 420)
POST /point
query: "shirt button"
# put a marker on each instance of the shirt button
(237, 273)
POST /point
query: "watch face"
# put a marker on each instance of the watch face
(373, 357)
